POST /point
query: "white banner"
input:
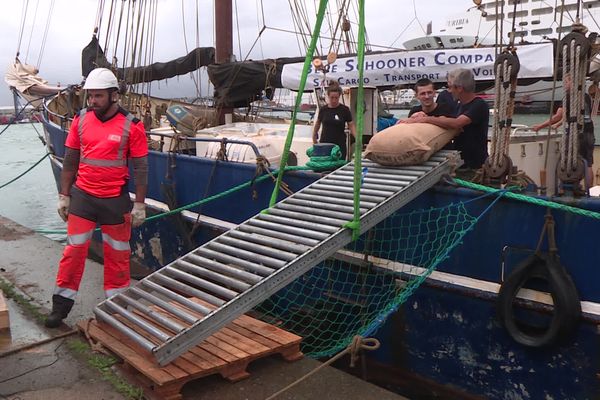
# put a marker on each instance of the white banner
(407, 67)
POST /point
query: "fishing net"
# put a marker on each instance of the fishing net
(352, 293)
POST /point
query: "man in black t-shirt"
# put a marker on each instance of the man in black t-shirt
(446, 97)
(473, 118)
(424, 92)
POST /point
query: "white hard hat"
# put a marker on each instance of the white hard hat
(101, 78)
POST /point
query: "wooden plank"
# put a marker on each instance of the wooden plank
(266, 329)
(216, 351)
(206, 355)
(253, 336)
(227, 352)
(262, 328)
(183, 362)
(144, 360)
(4, 318)
(218, 341)
(242, 342)
(199, 363)
(123, 349)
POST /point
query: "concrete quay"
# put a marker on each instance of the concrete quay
(53, 370)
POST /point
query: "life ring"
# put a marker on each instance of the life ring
(567, 307)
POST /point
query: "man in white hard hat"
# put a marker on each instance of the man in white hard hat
(93, 190)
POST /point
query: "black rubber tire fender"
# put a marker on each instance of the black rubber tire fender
(567, 306)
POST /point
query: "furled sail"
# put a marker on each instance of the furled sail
(92, 56)
(25, 79)
(239, 83)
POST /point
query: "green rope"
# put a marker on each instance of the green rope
(305, 68)
(355, 223)
(24, 173)
(199, 202)
(531, 200)
(325, 163)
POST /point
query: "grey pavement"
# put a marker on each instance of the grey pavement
(30, 262)
(52, 371)
(49, 371)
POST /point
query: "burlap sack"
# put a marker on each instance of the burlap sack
(407, 144)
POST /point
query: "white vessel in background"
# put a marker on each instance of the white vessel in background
(535, 21)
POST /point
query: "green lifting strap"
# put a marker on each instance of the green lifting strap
(355, 223)
(305, 68)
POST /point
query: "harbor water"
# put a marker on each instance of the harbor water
(30, 200)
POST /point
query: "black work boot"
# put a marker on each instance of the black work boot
(61, 306)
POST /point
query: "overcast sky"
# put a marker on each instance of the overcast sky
(72, 26)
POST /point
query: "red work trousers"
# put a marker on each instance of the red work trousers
(116, 256)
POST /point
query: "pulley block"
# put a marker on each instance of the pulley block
(511, 60)
(576, 39)
(499, 171)
(571, 174)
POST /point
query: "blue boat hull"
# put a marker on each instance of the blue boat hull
(455, 340)
(447, 332)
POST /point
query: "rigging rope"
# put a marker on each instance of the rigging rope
(532, 200)
(186, 44)
(143, 40)
(116, 47)
(498, 165)
(358, 343)
(298, 27)
(549, 132)
(18, 114)
(110, 25)
(149, 57)
(335, 30)
(247, 184)
(197, 72)
(301, 86)
(37, 5)
(358, 173)
(127, 35)
(507, 67)
(45, 37)
(575, 54)
(24, 9)
(259, 28)
(99, 14)
(25, 172)
(237, 24)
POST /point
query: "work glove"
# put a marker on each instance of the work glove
(63, 206)
(138, 214)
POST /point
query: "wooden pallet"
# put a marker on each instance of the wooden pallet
(4, 319)
(227, 352)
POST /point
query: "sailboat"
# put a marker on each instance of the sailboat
(427, 281)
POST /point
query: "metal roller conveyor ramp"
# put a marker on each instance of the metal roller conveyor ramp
(180, 305)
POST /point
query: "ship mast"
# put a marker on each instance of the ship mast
(223, 41)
